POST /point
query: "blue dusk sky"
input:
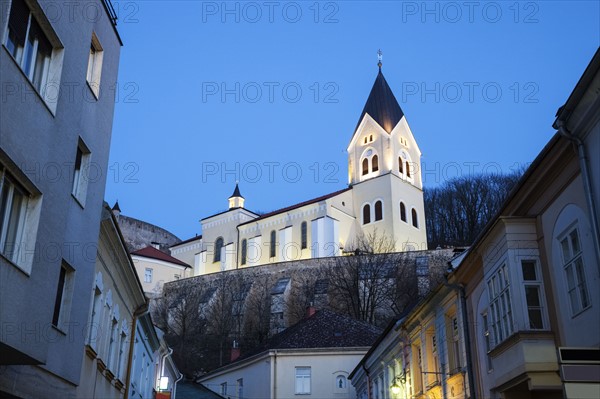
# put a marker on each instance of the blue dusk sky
(269, 93)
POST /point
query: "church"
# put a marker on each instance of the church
(384, 197)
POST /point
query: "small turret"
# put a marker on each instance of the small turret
(236, 200)
(116, 209)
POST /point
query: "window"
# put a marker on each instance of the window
(28, 44)
(13, 205)
(400, 163)
(244, 251)
(375, 163)
(371, 137)
(240, 388)
(533, 291)
(573, 265)
(365, 166)
(415, 221)
(500, 316)
(303, 235)
(94, 70)
(417, 375)
(96, 314)
(378, 210)
(148, 275)
(272, 244)
(224, 389)
(122, 356)
(64, 291)
(81, 172)
(365, 140)
(453, 343)
(218, 247)
(302, 380)
(407, 169)
(402, 212)
(434, 360)
(340, 382)
(488, 343)
(366, 214)
(112, 343)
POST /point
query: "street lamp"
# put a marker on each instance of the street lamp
(164, 383)
(395, 388)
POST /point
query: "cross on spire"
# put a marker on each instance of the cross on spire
(379, 58)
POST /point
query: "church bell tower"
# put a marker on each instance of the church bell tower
(384, 170)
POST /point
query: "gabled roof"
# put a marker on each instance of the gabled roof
(324, 329)
(382, 105)
(193, 390)
(151, 252)
(198, 237)
(299, 205)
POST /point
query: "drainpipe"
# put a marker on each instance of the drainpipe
(139, 312)
(175, 385)
(274, 375)
(463, 305)
(164, 357)
(587, 185)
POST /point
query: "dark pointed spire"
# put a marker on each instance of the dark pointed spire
(116, 207)
(236, 192)
(382, 105)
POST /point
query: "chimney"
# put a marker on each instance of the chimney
(310, 310)
(235, 351)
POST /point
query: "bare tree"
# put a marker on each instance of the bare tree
(302, 294)
(364, 284)
(258, 309)
(176, 312)
(459, 209)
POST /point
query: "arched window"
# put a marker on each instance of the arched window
(272, 244)
(244, 251)
(375, 163)
(365, 141)
(218, 246)
(400, 163)
(414, 218)
(407, 169)
(402, 212)
(378, 210)
(340, 382)
(365, 166)
(367, 214)
(371, 138)
(303, 235)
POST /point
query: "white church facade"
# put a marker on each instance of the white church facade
(384, 196)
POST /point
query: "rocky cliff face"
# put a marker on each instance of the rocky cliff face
(139, 234)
